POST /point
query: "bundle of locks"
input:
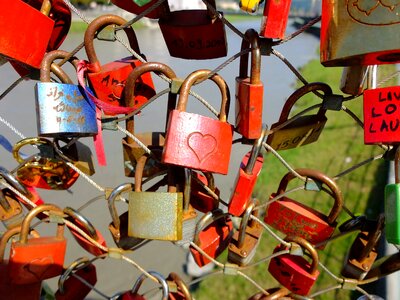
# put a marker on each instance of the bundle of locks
(191, 148)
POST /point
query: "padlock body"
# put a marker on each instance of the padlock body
(243, 255)
(355, 268)
(354, 33)
(14, 216)
(136, 9)
(38, 259)
(249, 108)
(192, 34)
(244, 187)
(293, 272)
(392, 213)
(88, 246)
(275, 17)
(293, 218)
(29, 44)
(121, 238)
(64, 110)
(200, 199)
(304, 130)
(198, 142)
(17, 292)
(74, 288)
(132, 152)
(214, 239)
(382, 116)
(155, 215)
(109, 83)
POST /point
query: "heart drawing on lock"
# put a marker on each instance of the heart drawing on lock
(202, 145)
(39, 266)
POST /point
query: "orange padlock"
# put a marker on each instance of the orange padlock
(34, 260)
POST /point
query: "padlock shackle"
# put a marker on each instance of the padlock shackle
(199, 76)
(255, 152)
(297, 94)
(82, 261)
(244, 223)
(28, 141)
(46, 7)
(140, 164)
(373, 238)
(124, 187)
(96, 26)
(251, 41)
(13, 181)
(82, 220)
(160, 279)
(129, 90)
(47, 66)
(4, 202)
(25, 226)
(274, 294)
(181, 285)
(318, 176)
(307, 246)
(206, 220)
(187, 189)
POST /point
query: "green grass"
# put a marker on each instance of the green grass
(80, 26)
(339, 147)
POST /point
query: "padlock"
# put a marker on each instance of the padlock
(153, 140)
(195, 141)
(8, 289)
(71, 287)
(195, 33)
(134, 293)
(44, 170)
(63, 109)
(250, 168)
(305, 129)
(11, 213)
(33, 260)
(353, 79)
(294, 272)
(84, 224)
(60, 13)
(381, 118)
(363, 252)
(275, 18)
(213, 233)
(180, 289)
(243, 245)
(273, 294)
(392, 204)
(356, 33)
(136, 8)
(250, 6)
(34, 31)
(293, 218)
(119, 225)
(108, 81)
(249, 90)
(200, 199)
(76, 153)
(155, 215)
(384, 266)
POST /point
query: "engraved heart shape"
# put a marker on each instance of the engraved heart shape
(39, 266)
(202, 145)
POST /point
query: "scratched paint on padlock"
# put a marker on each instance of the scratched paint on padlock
(382, 115)
(62, 110)
(374, 12)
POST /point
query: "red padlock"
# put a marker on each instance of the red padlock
(181, 292)
(134, 8)
(212, 236)
(7, 288)
(84, 224)
(249, 170)
(200, 199)
(294, 272)
(294, 218)
(382, 116)
(195, 141)
(70, 287)
(249, 90)
(34, 260)
(28, 44)
(108, 81)
(275, 17)
(134, 293)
